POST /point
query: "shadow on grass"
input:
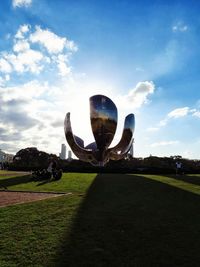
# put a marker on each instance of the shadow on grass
(4, 183)
(192, 179)
(47, 181)
(128, 220)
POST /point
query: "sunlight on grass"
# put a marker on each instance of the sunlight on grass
(70, 182)
(178, 183)
(6, 174)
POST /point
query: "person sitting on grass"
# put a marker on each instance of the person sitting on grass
(52, 168)
(58, 174)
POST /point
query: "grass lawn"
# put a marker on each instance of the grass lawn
(8, 173)
(109, 220)
(70, 182)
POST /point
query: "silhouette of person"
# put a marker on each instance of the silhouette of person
(178, 167)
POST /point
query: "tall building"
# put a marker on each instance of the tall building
(63, 152)
(69, 156)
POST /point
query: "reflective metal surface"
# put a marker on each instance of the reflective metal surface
(80, 152)
(103, 117)
(124, 145)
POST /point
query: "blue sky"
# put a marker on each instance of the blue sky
(145, 55)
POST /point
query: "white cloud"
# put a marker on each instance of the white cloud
(29, 90)
(139, 95)
(21, 45)
(4, 79)
(20, 112)
(175, 114)
(52, 42)
(71, 45)
(25, 56)
(164, 143)
(21, 3)
(33, 112)
(179, 112)
(7, 77)
(196, 114)
(162, 122)
(35, 107)
(63, 67)
(5, 66)
(23, 29)
(26, 61)
(152, 129)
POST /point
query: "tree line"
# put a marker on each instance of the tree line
(31, 159)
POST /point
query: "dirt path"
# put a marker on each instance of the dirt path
(11, 198)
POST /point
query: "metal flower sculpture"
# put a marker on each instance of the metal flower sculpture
(103, 117)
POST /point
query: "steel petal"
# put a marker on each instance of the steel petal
(124, 145)
(80, 152)
(103, 116)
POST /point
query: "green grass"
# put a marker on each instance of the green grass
(190, 183)
(109, 220)
(6, 172)
(9, 173)
(31, 233)
(70, 182)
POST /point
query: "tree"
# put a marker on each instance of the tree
(31, 159)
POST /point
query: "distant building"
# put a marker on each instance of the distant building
(5, 158)
(9, 157)
(2, 156)
(69, 156)
(62, 155)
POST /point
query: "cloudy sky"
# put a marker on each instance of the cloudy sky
(55, 54)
